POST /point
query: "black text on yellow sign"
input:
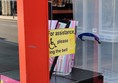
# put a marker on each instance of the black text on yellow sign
(61, 42)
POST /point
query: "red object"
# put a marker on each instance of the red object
(33, 41)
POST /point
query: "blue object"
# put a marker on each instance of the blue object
(90, 35)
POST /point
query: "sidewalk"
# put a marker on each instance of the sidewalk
(8, 18)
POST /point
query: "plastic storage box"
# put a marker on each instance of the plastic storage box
(101, 18)
(86, 12)
(87, 55)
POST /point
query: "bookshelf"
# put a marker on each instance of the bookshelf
(61, 9)
(65, 12)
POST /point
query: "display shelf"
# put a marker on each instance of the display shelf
(62, 11)
(65, 12)
(79, 76)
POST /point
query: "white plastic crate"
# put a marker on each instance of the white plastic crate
(109, 59)
(86, 12)
(86, 56)
(101, 18)
(97, 16)
(101, 58)
(109, 20)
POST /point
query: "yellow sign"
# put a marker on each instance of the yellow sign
(61, 42)
(1, 81)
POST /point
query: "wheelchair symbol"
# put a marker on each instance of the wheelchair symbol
(52, 44)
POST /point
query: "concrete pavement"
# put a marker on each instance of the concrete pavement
(9, 29)
(8, 18)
